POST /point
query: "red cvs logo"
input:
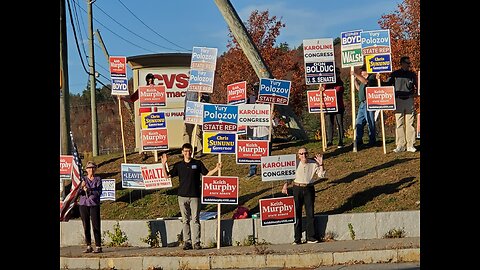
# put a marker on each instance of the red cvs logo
(169, 80)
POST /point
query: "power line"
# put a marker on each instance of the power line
(80, 29)
(118, 34)
(152, 29)
(134, 32)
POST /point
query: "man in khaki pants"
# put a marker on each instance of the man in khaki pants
(405, 82)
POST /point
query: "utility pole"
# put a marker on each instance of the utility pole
(91, 62)
(251, 52)
(64, 91)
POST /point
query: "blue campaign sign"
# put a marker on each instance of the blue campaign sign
(131, 176)
(204, 58)
(376, 42)
(218, 117)
(153, 120)
(274, 91)
(219, 143)
(201, 81)
(119, 86)
(378, 63)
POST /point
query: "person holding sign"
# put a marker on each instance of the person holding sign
(364, 116)
(336, 116)
(188, 171)
(307, 172)
(405, 82)
(89, 206)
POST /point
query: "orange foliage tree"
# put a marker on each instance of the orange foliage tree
(233, 65)
(404, 25)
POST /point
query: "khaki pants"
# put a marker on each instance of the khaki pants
(190, 210)
(404, 117)
(187, 136)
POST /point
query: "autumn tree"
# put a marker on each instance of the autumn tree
(404, 25)
(233, 65)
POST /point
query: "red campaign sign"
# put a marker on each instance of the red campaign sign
(237, 92)
(152, 95)
(154, 139)
(277, 211)
(66, 166)
(251, 151)
(380, 98)
(329, 101)
(219, 190)
(118, 66)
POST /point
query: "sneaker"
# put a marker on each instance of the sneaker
(296, 242)
(329, 144)
(187, 246)
(411, 149)
(312, 241)
(340, 146)
(98, 250)
(197, 246)
(88, 250)
(398, 149)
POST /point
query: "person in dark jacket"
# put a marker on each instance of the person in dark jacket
(89, 206)
(188, 171)
(405, 82)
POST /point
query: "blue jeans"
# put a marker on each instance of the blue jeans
(365, 117)
(253, 167)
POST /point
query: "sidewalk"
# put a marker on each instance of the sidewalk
(260, 256)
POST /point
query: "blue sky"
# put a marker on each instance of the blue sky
(182, 24)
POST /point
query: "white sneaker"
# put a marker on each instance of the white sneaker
(398, 149)
(411, 149)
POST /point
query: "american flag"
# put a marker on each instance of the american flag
(77, 173)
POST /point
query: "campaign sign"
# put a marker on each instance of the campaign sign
(219, 189)
(318, 50)
(66, 166)
(375, 42)
(217, 117)
(154, 139)
(254, 114)
(132, 176)
(351, 48)
(119, 86)
(108, 190)
(194, 112)
(378, 63)
(320, 72)
(152, 95)
(277, 211)
(153, 120)
(280, 167)
(329, 101)
(274, 91)
(237, 93)
(380, 98)
(219, 143)
(204, 58)
(251, 151)
(201, 81)
(118, 66)
(154, 176)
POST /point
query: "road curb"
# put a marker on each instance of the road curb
(315, 259)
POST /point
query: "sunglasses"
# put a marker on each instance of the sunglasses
(304, 153)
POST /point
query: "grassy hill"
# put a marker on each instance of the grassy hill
(365, 181)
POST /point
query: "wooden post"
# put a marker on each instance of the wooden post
(383, 125)
(121, 129)
(354, 117)
(219, 212)
(194, 132)
(271, 123)
(322, 119)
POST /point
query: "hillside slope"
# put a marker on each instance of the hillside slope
(365, 181)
